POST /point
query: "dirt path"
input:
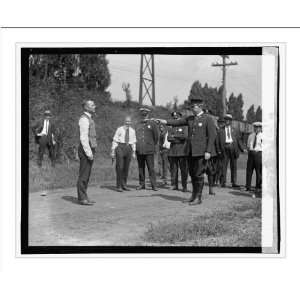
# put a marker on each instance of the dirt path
(115, 218)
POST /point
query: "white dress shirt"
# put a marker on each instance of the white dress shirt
(228, 136)
(84, 125)
(251, 139)
(119, 137)
(45, 128)
(166, 143)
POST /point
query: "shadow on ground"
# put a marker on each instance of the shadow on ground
(70, 199)
(165, 197)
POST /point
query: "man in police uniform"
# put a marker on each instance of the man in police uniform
(146, 140)
(177, 136)
(254, 162)
(201, 139)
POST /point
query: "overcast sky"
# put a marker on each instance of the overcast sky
(174, 75)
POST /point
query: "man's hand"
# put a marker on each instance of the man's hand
(91, 157)
(113, 155)
(207, 156)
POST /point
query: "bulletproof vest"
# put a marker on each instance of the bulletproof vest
(92, 131)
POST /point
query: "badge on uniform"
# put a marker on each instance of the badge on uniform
(180, 129)
(199, 124)
(149, 126)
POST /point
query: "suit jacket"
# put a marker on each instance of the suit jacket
(178, 136)
(201, 134)
(38, 127)
(146, 137)
(237, 144)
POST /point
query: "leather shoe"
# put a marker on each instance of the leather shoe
(196, 201)
(175, 188)
(234, 185)
(125, 188)
(91, 201)
(154, 189)
(141, 187)
(85, 202)
(184, 190)
(119, 189)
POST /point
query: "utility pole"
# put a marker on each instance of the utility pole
(224, 65)
(147, 83)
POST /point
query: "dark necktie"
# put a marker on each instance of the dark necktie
(127, 136)
(255, 140)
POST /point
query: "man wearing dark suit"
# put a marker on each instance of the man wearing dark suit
(44, 134)
(177, 136)
(220, 155)
(147, 139)
(200, 144)
(231, 146)
(86, 150)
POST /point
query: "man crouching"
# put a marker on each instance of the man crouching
(86, 150)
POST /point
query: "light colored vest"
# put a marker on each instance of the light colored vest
(92, 131)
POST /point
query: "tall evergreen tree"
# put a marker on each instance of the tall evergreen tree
(250, 116)
(258, 114)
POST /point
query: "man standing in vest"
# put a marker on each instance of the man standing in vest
(123, 149)
(86, 150)
(147, 139)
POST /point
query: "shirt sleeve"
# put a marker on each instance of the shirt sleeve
(115, 140)
(84, 136)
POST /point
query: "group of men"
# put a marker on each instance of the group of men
(195, 144)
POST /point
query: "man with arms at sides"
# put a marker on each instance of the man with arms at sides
(177, 136)
(231, 146)
(164, 147)
(254, 161)
(147, 138)
(201, 137)
(220, 155)
(123, 149)
(86, 150)
(44, 134)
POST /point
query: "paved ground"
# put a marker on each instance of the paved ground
(116, 218)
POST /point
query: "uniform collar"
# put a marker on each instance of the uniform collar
(200, 114)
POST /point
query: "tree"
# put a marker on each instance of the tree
(235, 107)
(258, 114)
(250, 116)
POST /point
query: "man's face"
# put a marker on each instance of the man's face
(161, 128)
(144, 113)
(128, 122)
(175, 116)
(196, 109)
(257, 129)
(221, 124)
(227, 122)
(90, 106)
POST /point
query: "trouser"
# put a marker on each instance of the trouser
(123, 158)
(197, 166)
(254, 162)
(43, 145)
(164, 163)
(211, 170)
(229, 156)
(218, 178)
(177, 162)
(148, 159)
(85, 168)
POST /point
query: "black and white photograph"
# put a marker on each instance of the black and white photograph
(150, 149)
